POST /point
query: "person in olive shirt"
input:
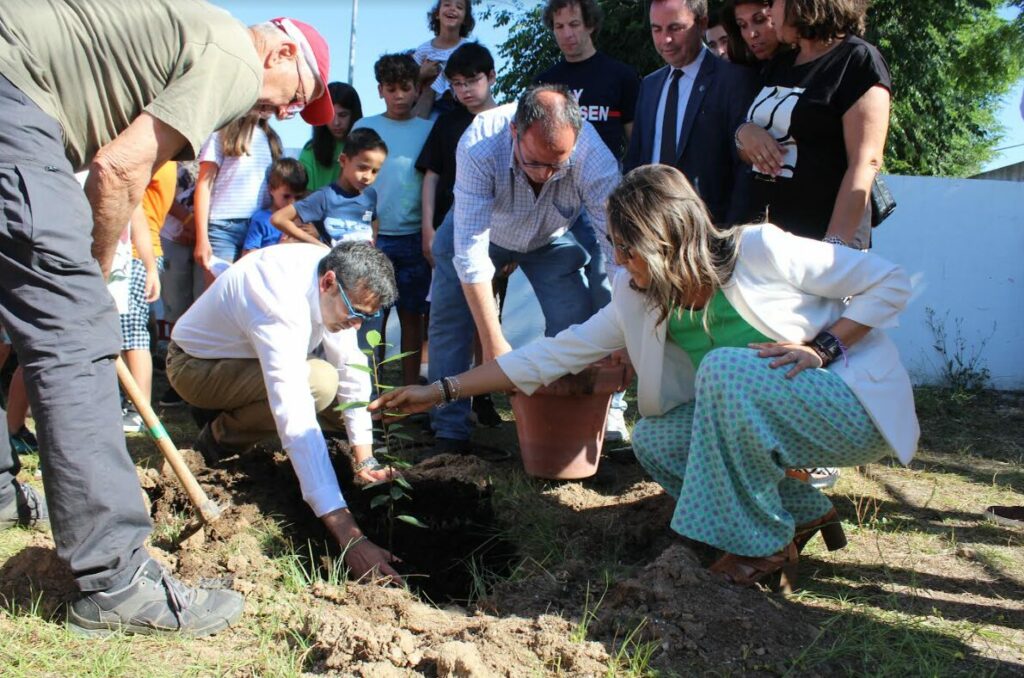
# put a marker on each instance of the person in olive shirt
(118, 89)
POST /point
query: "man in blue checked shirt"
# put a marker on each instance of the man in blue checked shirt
(524, 174)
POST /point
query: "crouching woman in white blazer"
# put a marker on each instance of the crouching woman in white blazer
(749, 363)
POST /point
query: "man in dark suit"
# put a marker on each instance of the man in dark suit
(701, 100)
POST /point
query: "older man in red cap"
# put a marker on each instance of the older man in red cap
(119, 89)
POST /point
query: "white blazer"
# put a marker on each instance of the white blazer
(788, 288)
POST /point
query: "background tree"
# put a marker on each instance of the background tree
(951, 63)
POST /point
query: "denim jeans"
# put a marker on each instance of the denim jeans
(226, 238)
(556, 273)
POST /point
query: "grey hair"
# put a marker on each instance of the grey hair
(361, 266)
(552, 115)
(698, 7)
(266, 29)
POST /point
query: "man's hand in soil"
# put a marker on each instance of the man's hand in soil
(368, 559)
(363, 557)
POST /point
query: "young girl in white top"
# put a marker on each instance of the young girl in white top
(451, 21)
(231, 186)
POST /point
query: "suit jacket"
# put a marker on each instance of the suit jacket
(721, 95)
(788, 288)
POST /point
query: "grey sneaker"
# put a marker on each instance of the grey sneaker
(27, 510)
(155, 602)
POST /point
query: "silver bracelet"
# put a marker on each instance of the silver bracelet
(835, 240)
(736, 136)
(368, 463)
(455, 387)
(440, 390)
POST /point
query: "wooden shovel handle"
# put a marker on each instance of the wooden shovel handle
(207, 508)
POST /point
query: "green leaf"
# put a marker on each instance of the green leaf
(342, 407)
(362, 368)
(373, 338)
(379, 500)
(399, 480)
(397, 493)
(402, 436)
(398, 356)
(412, 521)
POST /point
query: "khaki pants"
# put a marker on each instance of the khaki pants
(235, 386)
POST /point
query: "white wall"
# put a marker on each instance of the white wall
(962, 242)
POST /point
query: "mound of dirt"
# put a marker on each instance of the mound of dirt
(364, 627)
(660, 597)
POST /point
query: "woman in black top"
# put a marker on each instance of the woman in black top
(815, 134)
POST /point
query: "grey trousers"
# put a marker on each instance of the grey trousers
(64, 327)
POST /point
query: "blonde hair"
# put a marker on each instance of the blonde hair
(236, 137)
(657, 215)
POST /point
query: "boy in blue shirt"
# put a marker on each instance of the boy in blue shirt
(398, 191)
(286, 182)
(348, 207)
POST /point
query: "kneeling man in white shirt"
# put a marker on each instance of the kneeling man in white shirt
(246, 348)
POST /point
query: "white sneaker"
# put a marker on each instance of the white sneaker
(823, 478)
(131, 421)
(615, 430)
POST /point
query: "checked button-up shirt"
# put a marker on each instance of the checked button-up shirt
(494, 201)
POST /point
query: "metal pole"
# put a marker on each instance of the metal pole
(352, 44)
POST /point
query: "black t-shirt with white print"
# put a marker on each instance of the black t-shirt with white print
(606, 90)
(803, 106)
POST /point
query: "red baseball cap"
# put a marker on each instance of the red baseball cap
(319, 111)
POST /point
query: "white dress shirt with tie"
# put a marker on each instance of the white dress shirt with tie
(685, 88)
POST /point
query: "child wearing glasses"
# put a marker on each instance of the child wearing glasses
(470, 73)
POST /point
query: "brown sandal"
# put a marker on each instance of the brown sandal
(829, 526)
(777, 571)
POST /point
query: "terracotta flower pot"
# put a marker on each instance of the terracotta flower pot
(561, 426)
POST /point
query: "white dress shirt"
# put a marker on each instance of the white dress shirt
(266, 307)
(686, 81)
(494, 201)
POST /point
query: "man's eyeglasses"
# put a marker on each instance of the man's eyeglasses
(541, 165)
(625, 249)
(298, 101)
(351, 311)
(467, 83)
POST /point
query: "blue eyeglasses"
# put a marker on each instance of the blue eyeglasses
(351, 311)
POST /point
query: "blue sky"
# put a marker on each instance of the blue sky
(398, 25)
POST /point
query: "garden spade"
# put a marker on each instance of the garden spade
(208, 509)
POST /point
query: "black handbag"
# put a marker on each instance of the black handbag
(882, 202)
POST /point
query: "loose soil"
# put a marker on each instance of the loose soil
(517, 577)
